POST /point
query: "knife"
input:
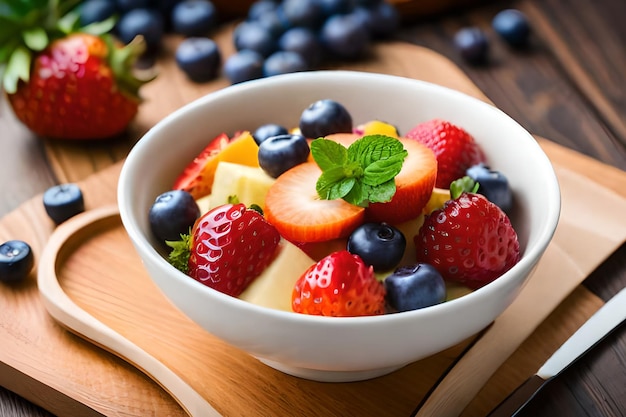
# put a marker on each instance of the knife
(600, 325)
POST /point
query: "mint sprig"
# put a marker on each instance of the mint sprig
(361, 174)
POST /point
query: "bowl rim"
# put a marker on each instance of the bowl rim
(143, 245)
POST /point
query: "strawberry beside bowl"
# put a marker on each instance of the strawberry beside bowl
(338, 349)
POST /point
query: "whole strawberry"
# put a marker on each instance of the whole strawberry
(339, 285)
(66, 83)
(470, 240)
(228, 248)
(455, 149)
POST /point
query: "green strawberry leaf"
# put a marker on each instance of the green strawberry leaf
(463, 185)
(18, 68)
(35, 38)
(100, 28)
(361, 174)
(179, 256)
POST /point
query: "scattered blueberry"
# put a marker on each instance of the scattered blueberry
(304, 42)
(252, 36)
(284, 62)
(260, 7)
(16, 261)
(512, 25)
(277, 154)
(414, 287)
(345, 37)
(493, 185)
(146, 22)
(332, 7)
(378, 244)
(173, 213)
(127, 5)
(92, 11)
(472, 44)
(243, 66)
(273, 23)
(267, 131)
(304, 13)
(194, 17)
(385, 20)
(325, 117)
(63, 201)
(199, 58)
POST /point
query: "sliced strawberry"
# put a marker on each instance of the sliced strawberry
(339, 285)
(470, 241)
(230, 247)
(197, 177)
(414, 183)
(294, 208)
(455, 149)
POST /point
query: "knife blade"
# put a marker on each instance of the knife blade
(593, 331)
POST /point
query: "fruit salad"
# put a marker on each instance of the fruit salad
(328, 217)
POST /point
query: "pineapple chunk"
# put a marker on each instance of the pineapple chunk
(274, 287)
(248, 184)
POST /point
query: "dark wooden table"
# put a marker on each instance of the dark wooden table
(568, 86)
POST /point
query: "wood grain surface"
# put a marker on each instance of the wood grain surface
(568, 86)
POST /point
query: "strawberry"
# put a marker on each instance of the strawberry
(228, 248)
(414, 183)
(293, 206)
(197, 177)
(470, 240)
(64, 83)
(455, 149)
(339, 285)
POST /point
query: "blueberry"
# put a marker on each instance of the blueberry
(273, 23)
(243, 66)
(345, 36)
(260, 7)
(284, 62)
(378, 244)
(512, 25)
(325, 117)
(127, 5)
(472, 44)
(254, 37)
(146, 22)
(199, 58)
(304, 13)
(414, 287)
(267, 131)
(194, 17)
(303, 41)
(16, 261)
(63, 201)
(96, 11)
(280, 153)
(173, 213)
(332, 7)
(493, 185)
(385, 20)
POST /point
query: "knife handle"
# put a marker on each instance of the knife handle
(518, 398)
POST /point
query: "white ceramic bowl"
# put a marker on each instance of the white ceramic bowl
(324, 348)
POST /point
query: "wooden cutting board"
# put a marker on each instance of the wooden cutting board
(67, 375)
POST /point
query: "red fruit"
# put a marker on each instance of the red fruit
(455, 149)
(80, 87)
(339, 285)
(470, 241)
(294, 208)
(231, 246)
(197, 177)
(414, 183)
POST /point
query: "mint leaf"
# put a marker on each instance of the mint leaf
(361, 174)
(35, 38)
(328, 154)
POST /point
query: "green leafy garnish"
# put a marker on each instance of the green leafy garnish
(465, 184)
(179, 255)
(361, 174)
